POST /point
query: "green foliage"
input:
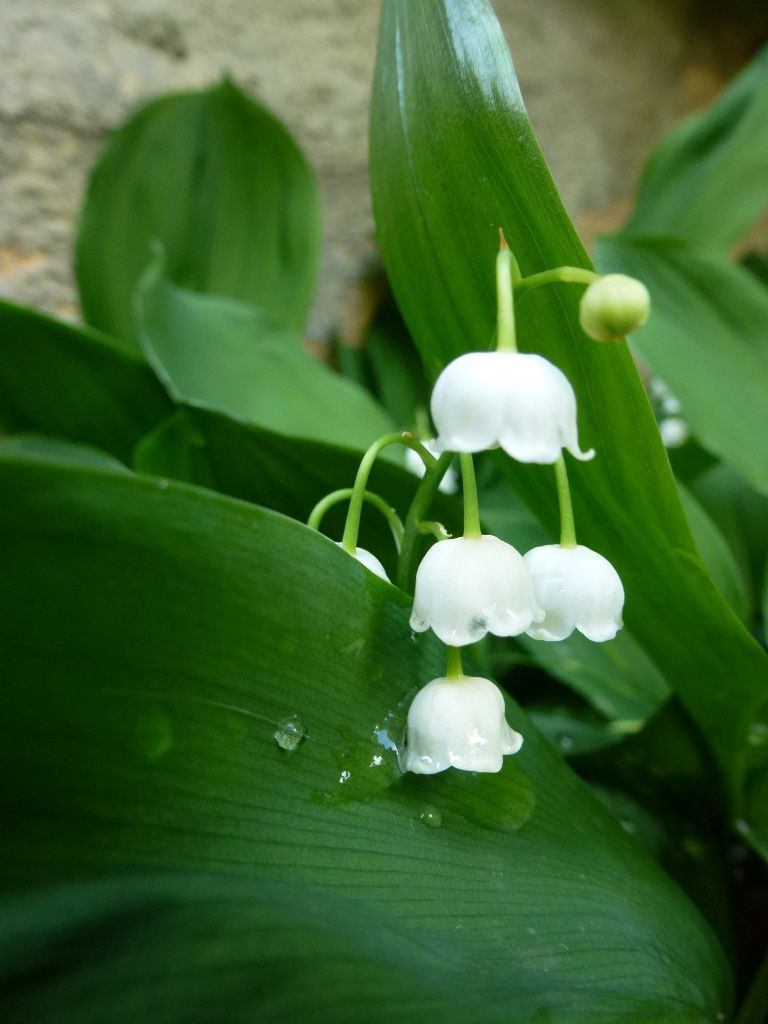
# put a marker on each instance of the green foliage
(180, 627)
(222, 186)
(169, 628)
(436, 233)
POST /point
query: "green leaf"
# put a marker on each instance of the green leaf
(740, 514)
(230, 357)
(74, 383)
(716, 555)
(705, 181)
(707, 338)
(453, 157)
(153, 640)
(221, 184)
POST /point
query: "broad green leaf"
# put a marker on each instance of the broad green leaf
(228, 356)
(74, 383)
(221, 184)
(707, 338)
(154, 638)
(716, 555)
(176, 448)
(705, 181)
(453, 157)
(33, 447)
(741, 515)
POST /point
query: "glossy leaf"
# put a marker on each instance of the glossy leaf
(221, 184)
(454, 158)
(230, 357)
(153, 640)
(705, 181)
(74, 383)
(707, 338)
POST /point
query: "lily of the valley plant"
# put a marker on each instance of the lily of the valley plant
(469, 586)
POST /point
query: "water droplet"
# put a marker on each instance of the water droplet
(565, 742)
(628, 826)
(757, 736)
(154, 735)
(431, 816)
(743, 827)
(345, 776)
(162, 484)
(289, 733)
(414, 638)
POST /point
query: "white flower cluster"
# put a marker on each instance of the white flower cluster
(469, 586)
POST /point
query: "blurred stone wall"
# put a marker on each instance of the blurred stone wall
(602, 80)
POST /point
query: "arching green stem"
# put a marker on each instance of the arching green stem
(567, 524)
(560, 275)
(406, 568)
(352, 525)
(326, 503)
(453, 666)
(507, 272)
(471, 502)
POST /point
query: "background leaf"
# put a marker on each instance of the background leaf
(707, 338)
(222, 185)
(74, 383)
(154, 638)
(453, 158)
(230, 357)
(705, 181)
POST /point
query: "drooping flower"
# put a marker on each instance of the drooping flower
(370, 561)
(470, 586)
(578, 589)
(613, 306)
(413, 463)
(517, 400)
(458, 723)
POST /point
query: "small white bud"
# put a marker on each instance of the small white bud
(370, 562)
(613, 306)
(448, 485)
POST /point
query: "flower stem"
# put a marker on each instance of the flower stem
(560, 275)
(453, 666)
(326, 503)
(354, 512)
(471, 503)
(507, 272)
(427, 490)
(567, 524)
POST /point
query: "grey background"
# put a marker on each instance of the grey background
(602, 80)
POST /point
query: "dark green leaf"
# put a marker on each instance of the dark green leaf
(707, 338)
(153, 640)
(706, 180)
(72, 382)
(220, 183)
(228, 356)
(454, 158)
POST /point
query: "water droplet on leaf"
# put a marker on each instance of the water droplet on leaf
(431, 816)
(289, 733)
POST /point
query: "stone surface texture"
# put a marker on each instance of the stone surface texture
(602, 80)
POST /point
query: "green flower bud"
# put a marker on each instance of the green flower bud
(613, 306)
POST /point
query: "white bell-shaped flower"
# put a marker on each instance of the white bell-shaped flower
(371, 562)
(450, 482)
(470, 586)
(517, 400)
(578, 589)
(458, 723)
